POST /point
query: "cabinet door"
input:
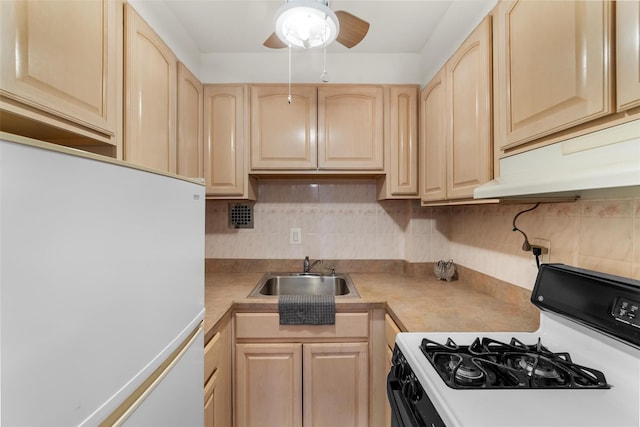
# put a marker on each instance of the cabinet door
(628, 54)
(189, 140)
(217, 374)
(61, 58)
(283, 134)
(433, 126)
(150, 92)
(336, 384)
(469, 143)
(350, 127)
(553, 67)
(268, 385)
(225, 135)
(402, 140)
(211, 394)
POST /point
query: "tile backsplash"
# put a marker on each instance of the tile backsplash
(343, 220)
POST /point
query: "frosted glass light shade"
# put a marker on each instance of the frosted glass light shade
(306, 24)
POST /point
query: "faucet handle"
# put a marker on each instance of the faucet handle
(333, 270)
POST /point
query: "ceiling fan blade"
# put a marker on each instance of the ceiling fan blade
(352, 29)
(274, 42)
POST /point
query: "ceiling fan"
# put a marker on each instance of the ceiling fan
(311, 23)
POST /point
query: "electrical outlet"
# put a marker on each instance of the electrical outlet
(295, 236)
(545, 244)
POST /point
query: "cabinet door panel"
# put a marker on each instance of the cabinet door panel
(189, 140)
(283, 134)
(150, 110)
(61, 58)
(469, 145)
(225, 135)
(217, 374)
(350, 127)
(268, 385)
(336, 389)
(628, 54)
(403, 141)
(433, 155)
(554, 70)
(210, 395)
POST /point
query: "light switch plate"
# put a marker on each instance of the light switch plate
(295, 236)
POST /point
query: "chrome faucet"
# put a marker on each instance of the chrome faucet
(308, 265)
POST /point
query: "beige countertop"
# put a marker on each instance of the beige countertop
(416, 303)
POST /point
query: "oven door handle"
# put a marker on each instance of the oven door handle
(398, 402)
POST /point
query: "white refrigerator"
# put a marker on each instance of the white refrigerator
(101, 291)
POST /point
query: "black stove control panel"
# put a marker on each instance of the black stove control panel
(627, 311)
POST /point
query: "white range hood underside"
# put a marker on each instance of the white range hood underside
(607, 159)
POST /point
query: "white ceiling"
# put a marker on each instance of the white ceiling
(221, 40)
(241, 26)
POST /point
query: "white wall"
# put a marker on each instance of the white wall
(306, 67)
(444, 41)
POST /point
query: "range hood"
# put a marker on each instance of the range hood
(606, 159)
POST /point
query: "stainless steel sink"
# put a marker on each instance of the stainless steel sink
(274, 284)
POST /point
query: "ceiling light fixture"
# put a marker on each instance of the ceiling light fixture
(306, 23)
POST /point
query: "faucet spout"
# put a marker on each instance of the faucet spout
(308, 265)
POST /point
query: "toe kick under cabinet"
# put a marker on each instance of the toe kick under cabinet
(301, 375)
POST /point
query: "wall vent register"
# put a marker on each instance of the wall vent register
(240, 215)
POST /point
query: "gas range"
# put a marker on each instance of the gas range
(580, 368)
(489, 363)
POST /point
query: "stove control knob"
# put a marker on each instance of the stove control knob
(412, 389)
(401, 370)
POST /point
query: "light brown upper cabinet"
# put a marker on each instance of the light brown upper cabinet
(189, 140)
(226, 129)
(328, 128)
(61, 66)
(552, 67)
(455, 126)
(283, 133)
(468, 89)
(628, 54)
(150, 96)
(433, 151)
(350, 127)
(401, 143)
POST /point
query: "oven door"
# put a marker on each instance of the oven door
(401, 408)
(417, 411)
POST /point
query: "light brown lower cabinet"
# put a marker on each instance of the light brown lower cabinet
(335, 378)
(292, 376)
(217, 376)
(294, 384)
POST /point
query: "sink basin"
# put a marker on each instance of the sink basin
(275, 284)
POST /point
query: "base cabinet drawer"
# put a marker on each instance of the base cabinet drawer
(267, 325)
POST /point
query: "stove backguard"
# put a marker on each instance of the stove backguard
(602, 301)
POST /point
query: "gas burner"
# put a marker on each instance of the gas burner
(539, 368)
(488, 363)
(466, 372)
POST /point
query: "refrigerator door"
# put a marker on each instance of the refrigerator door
(101, 274)
(174, 398)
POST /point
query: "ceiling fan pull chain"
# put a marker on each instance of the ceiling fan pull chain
(289, 97)
(324, 77)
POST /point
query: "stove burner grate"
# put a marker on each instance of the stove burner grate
(491, 364)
